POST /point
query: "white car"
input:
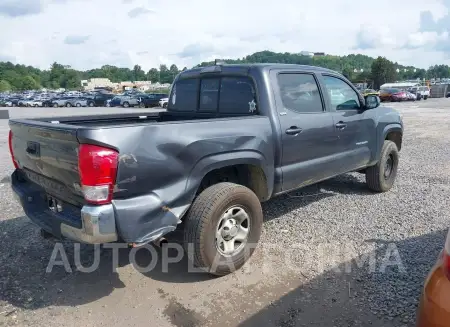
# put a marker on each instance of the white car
(163, 102)
(422, 92)
(33, 103)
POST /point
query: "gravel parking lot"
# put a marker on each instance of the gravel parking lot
(334, 254)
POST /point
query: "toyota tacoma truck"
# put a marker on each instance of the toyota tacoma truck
(232, 136)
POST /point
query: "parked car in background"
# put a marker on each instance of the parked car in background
(151, 100)
(448, 95)
(33, 103)
(434, 307)
(424, 92)
(163, 102)
(99, 99)
(62, 102)
(126, 101)
(411, 96)
(393, 95)
(79, 102)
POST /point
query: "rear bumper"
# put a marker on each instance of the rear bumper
(134, 220)
(434, 308)
(91, 224)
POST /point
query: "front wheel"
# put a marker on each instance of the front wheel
(68, 104)
(222, 228)
(126, 104)
(91, 104)
(78, 104)
(165, 105)
(381, 177)
(425, 97)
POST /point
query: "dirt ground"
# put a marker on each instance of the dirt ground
(413, 217)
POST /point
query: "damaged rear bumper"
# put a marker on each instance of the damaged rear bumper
(136, 220)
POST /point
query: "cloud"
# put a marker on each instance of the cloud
(426, 39)
(17, 8)
(195, 50)
(372, 37)
(76, 39)
(138, 11)
(114, 32)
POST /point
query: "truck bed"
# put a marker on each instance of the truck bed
(116, 120)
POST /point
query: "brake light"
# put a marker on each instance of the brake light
(98, 168)
(447, 256)
(11, 149)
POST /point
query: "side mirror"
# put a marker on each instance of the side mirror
(372, 102)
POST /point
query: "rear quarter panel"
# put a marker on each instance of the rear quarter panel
(169, 160)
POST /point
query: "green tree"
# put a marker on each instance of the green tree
(5, 86)
(383, 71)
(138, 73)
(165, 75)
(153, 75)
(28, 83)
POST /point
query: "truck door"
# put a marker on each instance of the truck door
(308, 132)
(354, 127)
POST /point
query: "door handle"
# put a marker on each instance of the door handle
(293, 130)
(341, 125)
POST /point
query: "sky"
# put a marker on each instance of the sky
(87, 34)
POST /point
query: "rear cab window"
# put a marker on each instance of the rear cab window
(214, 94)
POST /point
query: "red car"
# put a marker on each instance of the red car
(434, 308)
(393, 95)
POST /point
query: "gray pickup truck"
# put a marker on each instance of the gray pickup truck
(232, 137)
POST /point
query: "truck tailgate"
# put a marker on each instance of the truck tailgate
(49, 157)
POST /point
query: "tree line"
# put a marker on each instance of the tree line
(356, 67)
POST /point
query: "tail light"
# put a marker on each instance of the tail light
(98, 168)
(447, 256)
(10, 136)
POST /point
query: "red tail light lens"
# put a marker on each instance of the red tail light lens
(447, 256)
(11, 149)
(98, 168)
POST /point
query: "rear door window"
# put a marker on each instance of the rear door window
(184, 95)
(227, 94)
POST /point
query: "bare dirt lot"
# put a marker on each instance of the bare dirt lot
(334, 254)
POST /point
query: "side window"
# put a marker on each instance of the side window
(342, 96)
(209, 94)
(299, 92)
(184, 95)
(237, 95)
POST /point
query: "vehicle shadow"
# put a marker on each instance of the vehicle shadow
(25, 256)
(352, 295)
(344, 184)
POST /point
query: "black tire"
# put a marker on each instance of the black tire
(90, 104)
(55, 105)
(165, 105)
(126, 104)
(425, 97)
(68, 104)
(376, 177)
(201, 223)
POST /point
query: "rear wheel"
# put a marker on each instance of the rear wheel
(126, 104)
(165, 105)
(425, 97)
(381, 177)
(91, 104)
(78, 104)
(55, 105)
(222, 228)
(68, 104)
